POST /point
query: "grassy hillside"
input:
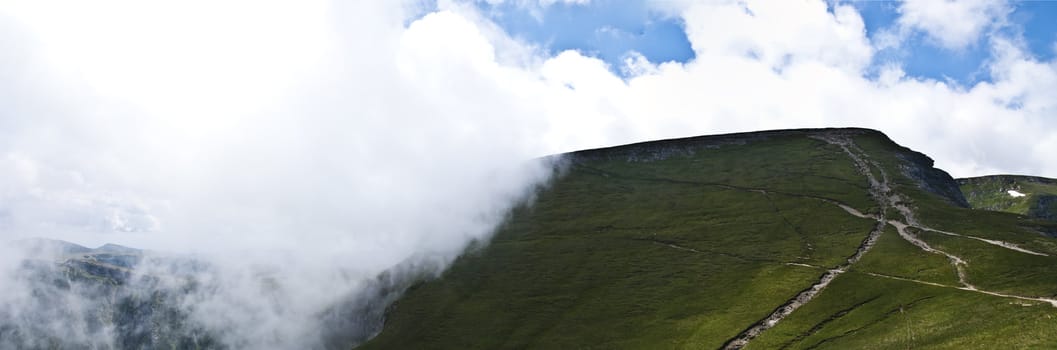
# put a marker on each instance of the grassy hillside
(806, 239)
(1024, 195)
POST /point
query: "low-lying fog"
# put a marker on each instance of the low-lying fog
(297, 161)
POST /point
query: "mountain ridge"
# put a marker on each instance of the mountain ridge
(930, 178)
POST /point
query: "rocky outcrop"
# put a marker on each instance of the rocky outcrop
(1044, 207)
(919, 167)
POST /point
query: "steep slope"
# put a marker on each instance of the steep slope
(1025, 195)
(800, 239)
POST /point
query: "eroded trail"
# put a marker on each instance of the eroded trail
(887, 199)
(879, 191)
(913, 239)
(998, 243)
(896, 201)
(959, 263)
(934, 284)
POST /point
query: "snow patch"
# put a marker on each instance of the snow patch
(1015, 194)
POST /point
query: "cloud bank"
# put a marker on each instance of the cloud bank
(299, 160)
(326, 142)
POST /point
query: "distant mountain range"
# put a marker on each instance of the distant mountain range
(1025, 195)
(84, 298)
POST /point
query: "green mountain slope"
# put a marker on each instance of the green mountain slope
(801, 239)
(1025, 195)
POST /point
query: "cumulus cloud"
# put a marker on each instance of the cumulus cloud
(359, 136)
(540, 3)
(953, 24)
(756, 67)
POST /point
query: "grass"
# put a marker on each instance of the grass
(894, 256)
(991, 193)
(683, 244)
(864, 312)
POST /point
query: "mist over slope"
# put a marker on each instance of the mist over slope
(791, 239)
(65, 296)
(293, 166)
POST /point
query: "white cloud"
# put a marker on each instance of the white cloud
(953, 24)
(354, 142)
(779, 33)
(342, 144)
(539, 3)
(568, 2)
(754, 70)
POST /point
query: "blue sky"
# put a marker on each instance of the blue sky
(163, 124)
(606, 29)
(609, 30)
(1033, 21)
(99, 88)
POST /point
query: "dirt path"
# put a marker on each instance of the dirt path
(1052, 302)
(959, 263)
(1002, 244)
(879, 191)
(887, 199)
(934, 284)
(896, 201)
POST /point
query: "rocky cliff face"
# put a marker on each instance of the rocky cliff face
(1045, 207)
(936, 181)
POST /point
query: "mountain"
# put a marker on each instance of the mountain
(1025, 195)
(84, 298)
(66, 296)
(789, 239)
(793, 239)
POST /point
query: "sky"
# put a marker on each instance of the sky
(611, 30)
(974, 50)
(351, 137)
